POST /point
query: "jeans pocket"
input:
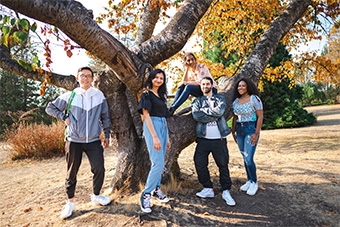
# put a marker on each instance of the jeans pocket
(251, 127)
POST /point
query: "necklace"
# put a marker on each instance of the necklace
(244, 97)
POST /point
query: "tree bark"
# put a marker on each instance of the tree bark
(175, 35)
(10, 65)
(264, 50)
(122, 82)
(147, 23)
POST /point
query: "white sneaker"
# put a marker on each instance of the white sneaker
(206, 193)
(145, 202)
(227, 197)
(159, 195)
(100, 200)
(67, 210)
(252, 189)
(246, 186)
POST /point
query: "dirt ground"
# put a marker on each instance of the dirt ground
(298, 174)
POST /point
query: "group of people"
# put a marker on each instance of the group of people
(85, 113)
(211, 128)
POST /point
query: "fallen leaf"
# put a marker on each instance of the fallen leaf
(28, 209)
(206, 214)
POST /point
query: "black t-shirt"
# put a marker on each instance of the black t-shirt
(154, 105)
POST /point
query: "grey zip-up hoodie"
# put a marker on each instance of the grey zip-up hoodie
(89, 114)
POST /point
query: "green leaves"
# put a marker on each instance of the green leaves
(34, 27)
(24, 24)
(15, 31)
(22, 37)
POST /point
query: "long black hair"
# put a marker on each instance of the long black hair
(251, 88)
(162, 92)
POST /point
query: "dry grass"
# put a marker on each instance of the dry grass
(36, 141)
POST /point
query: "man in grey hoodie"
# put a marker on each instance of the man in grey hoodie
(88, 115)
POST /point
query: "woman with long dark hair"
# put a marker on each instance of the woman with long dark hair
(190, 84)
(153, 107)
(247, 122)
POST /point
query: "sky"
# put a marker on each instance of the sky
(69, 66)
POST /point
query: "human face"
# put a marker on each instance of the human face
(206, 87)
(158, 80)
(242, 88)
(190, 61)
(85, 79)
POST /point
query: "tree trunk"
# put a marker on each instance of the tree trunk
(122, 82)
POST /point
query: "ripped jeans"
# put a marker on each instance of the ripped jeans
(243, 132)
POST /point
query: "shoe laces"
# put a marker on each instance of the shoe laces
(159, 193)
(146, 200)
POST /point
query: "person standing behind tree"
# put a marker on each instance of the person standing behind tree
(211, 131)
(153, 107)
(190, 84)
(247, 122)
(87, 117)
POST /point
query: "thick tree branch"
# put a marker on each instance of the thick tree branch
(77, 23)
(184, 125)
(175, 35)
(10, 65)
(264, 50)
(147, 23)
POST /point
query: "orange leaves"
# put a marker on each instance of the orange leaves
(124, 16)
(68, 47)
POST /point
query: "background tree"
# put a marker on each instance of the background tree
(281, 108)
(127, 69)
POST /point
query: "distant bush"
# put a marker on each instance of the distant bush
(316, 103)
(330, 102)
(36, 140)
(281, 109)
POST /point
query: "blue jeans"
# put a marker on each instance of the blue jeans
(183, 93)
(243, 132)
(156, 157)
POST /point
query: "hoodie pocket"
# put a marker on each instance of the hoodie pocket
(73, 129)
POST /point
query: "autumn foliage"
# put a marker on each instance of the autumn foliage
(235, 27)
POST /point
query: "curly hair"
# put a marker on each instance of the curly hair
(162, 91)
(251, 88)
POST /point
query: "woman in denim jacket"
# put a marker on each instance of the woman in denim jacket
(247, 122)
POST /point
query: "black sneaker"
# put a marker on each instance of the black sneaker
(159, 195)
(145, 202)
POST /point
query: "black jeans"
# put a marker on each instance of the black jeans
(219, 150)
(74, 154)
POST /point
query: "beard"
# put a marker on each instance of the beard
(207, 90)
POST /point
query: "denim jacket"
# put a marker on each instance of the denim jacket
(203, 114)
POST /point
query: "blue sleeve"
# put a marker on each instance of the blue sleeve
(105, 118)
(218, 110)
(198, 114)
(256, 102)
(58, 106)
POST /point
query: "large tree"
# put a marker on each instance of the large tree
(127, 69)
